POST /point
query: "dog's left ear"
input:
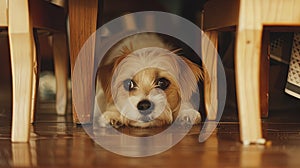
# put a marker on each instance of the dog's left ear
(198, 72)
(189, 75)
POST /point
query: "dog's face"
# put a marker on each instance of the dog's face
(148, 85)
(148, 98)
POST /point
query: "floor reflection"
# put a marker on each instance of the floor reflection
(137, 142)
(251, 156)
(56, 142)
(23, 155)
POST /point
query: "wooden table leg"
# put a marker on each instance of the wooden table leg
(83, 22)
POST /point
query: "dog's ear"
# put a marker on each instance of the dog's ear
(197, 71)
(189, 75)
(105, 74)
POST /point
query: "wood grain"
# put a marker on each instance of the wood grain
(83, 22)
(250, 17)
(269, 13)
(21, 17)
(22, 53)
(3, 13)
(253, 15)
(247, 62)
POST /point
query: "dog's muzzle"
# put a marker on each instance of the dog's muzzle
(145, 108)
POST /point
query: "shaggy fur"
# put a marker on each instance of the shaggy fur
(144, 83)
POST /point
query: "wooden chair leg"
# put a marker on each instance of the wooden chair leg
(83, 22)
(22, 53)
(60, 54)
(247, 65)
(210, 57)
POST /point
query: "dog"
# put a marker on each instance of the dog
(143, 82)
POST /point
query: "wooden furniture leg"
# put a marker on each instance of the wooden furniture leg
(247, 68)
(249, 16)
(22, 52)
(210, 57)
(83, 22)
(60, 54)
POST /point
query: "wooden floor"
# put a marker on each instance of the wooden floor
(56, 142)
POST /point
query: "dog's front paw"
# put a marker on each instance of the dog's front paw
(110, 118)
(188, 117)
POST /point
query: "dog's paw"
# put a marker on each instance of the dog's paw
(110, 118)
(188, 117)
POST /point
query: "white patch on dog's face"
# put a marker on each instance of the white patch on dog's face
(147, 86)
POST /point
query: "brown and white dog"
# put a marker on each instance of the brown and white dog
(144, 83)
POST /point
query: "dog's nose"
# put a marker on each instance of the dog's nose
(145, 107)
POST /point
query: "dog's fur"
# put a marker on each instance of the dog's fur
(144, 83)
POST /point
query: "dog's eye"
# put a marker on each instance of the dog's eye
(163, 83)
(129, 84)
